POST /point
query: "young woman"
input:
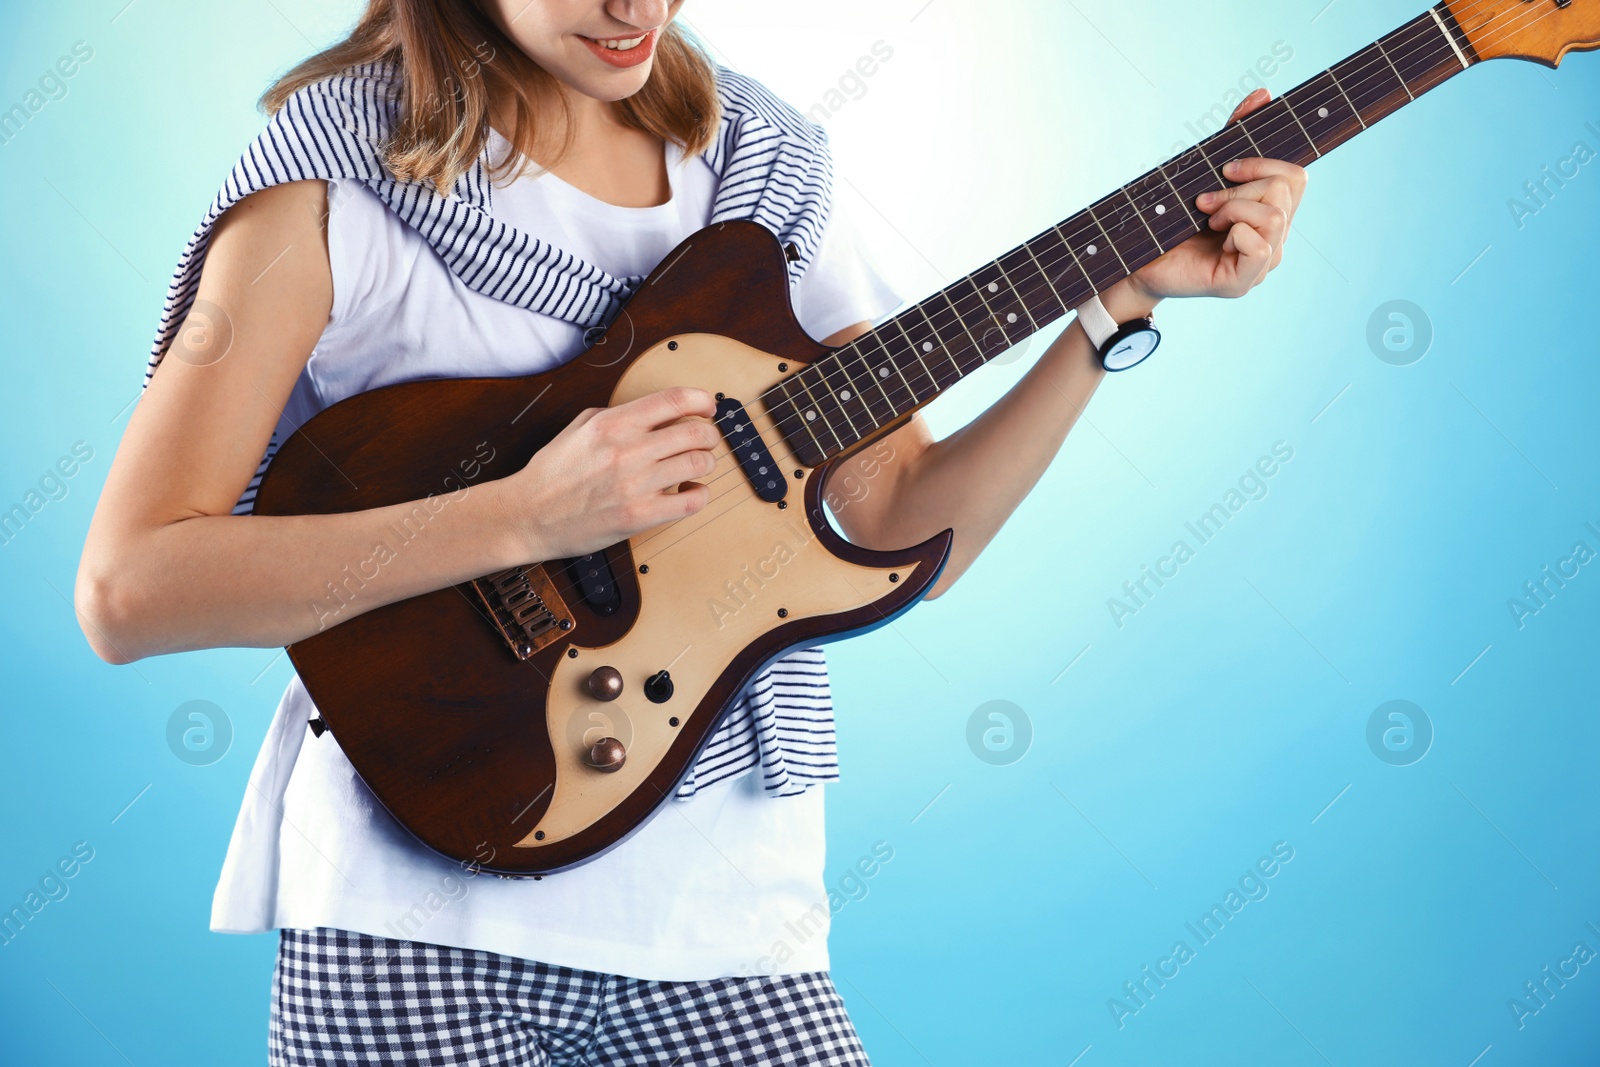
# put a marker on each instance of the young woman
(466, 189)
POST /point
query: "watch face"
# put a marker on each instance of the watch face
(1132, 349)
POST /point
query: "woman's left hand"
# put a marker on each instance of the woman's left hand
(1248, 227)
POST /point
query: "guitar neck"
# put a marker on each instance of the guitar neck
(868, 387)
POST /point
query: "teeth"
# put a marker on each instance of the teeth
(623, 46)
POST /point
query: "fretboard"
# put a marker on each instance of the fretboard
(874, 383)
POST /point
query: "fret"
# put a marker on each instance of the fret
(874, 389)
(991, 327)
(949, 350)
(813, 412)
(940, 347)
(1378, 44)
(885, 372)
(1108, 242)
(824, 379)
(795, 415)
(1028, 275)
(850, 396)
(1129, 229)
(1287, 100)
(1278, 133)
(920, 340)
(1063, 256)
(1255, 149)
(1157, 198)
(1008, 312)
(1326, 112)
(1351, 104)
(1371, 82)
(1016, 294)
(1187, 203)
(1226, 145)
(1191, 174)
(1084, 240)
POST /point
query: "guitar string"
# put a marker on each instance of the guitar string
(837, 364)
(845, 360)
(769, 424)
(1426, 41)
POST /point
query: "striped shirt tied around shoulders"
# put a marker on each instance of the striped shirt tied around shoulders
(772, 167)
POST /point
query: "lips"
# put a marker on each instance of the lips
(623, 51)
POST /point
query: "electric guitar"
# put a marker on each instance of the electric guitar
(529, 720)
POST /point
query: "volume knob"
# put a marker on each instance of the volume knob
(605, 683)
(606, 754)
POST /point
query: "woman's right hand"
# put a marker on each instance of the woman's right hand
(613, 473)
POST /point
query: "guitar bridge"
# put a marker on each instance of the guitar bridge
(525, 607)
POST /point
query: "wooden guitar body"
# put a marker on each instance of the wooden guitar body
(481, 753)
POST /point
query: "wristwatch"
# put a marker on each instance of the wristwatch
(1121, 345)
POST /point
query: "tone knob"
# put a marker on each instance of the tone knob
(658, 687)
(605, 683)
(606, 754)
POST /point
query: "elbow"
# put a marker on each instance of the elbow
(107, 612)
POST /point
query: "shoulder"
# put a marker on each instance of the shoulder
(295, 211)
(744, 98)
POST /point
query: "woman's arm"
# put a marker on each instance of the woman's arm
(167, 568)
(972, 481)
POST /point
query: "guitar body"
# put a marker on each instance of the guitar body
(484, 752)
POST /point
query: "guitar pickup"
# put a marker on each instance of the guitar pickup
(525, 607)
(596, 584)
(745, 442)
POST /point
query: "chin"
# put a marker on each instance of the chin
(612, 87)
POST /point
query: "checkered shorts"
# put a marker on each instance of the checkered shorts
(347, 998)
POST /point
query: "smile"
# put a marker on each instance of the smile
(623, 51)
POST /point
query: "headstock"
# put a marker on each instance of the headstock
(1540, 30)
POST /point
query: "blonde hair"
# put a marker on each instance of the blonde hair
(453, 61)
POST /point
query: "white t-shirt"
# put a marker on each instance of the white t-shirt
(726, 882)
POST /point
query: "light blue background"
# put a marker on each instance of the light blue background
(1229, 714)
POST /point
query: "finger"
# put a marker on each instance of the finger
(1256, 100)
(1274, 191)
(690, 435)
(1252, 246)
(676, 502)
(1252, 168)
(1246, 171)
(684, 467)
(1265, 219)
(669, 405)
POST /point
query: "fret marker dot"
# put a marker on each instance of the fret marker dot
(1322, 112)
(811, 416)
(883, 372)
(994, 287)
(927, 346)
(1012, 317)
(1161, 209)
(844, 394)
(1093, 250)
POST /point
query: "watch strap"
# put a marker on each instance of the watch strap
(1097, 321)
